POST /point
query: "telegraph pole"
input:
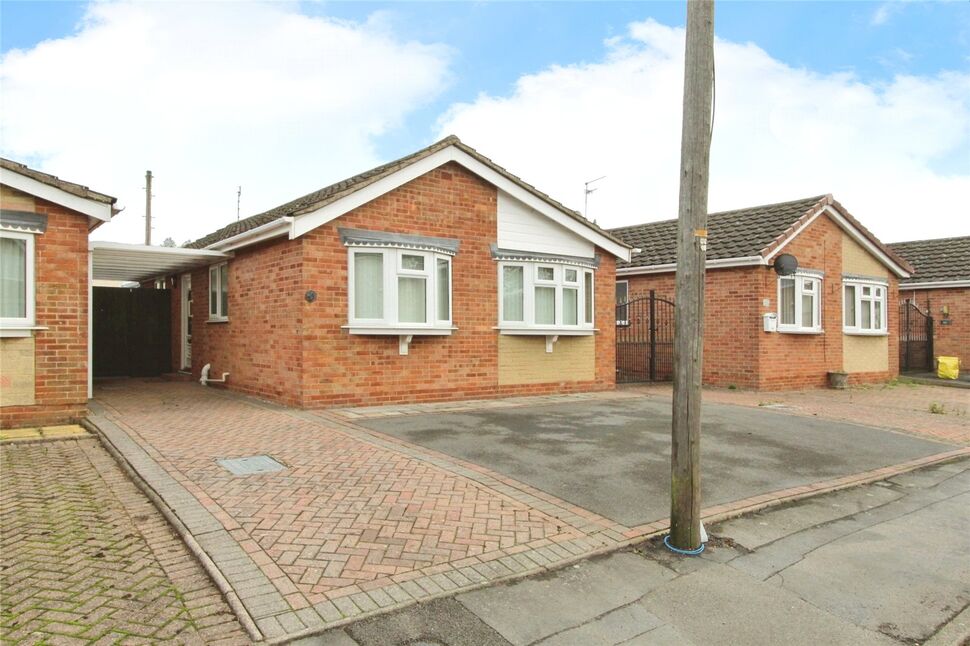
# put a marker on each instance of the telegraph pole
(148, 207)
(695, 148)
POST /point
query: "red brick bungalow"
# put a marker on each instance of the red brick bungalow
(766, 331)
(434, 277)
(44, 295)
(940, 285)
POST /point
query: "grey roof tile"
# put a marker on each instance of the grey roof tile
(52, 180)
(940, 260)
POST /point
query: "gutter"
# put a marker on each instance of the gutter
(939, 284)
(273, 229)
(720, 263)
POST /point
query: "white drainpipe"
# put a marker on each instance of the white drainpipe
(205, 380)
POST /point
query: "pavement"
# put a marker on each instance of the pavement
(612, 457)
(884, 563)
(341, 521)
(87, 558)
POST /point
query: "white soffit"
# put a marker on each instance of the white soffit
(136, 262)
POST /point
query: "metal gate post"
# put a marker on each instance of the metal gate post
(909, 346)
(929, 335)
(653, 336)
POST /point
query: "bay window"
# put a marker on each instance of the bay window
(540, 297)
(864, 307)
(16, 279)
(799, 303)
(219, 292)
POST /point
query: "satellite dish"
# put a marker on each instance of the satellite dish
(786, 264)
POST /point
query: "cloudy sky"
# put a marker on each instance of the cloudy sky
(868, 101)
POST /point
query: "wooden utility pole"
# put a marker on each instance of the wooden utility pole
(148, 207)
(695, 148)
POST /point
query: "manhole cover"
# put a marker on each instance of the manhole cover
(250, 465)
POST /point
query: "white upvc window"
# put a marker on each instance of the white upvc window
(539, 297)
(219, 292)
(398, 290)
(800, 304)
(17, 290)
(864, 307)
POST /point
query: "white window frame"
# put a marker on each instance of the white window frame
(220, 316)
(873, 285)
(531, 280)
(27, 321)
(800, 280)
(623, 322)
(392, 267)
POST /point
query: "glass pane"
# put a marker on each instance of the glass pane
(368, 285)
(589, 297)
(213, 291)
(547, 273)
(512, 294)
(412, 299)
(849, 306)
(622, 292)
(570, 307)
(571, 276)
(808, 309)
(877, 316)
(545, 305)
(225, 290)
(13, 278)
(415, 263)
(786, 306)
(444, 290)
(866, 315)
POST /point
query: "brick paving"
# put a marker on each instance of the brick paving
(899, 406)
(87, 558)
(357, 522)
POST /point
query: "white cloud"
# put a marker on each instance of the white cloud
(210, 96)
(894, 154)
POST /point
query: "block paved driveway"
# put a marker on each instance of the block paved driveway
(87, 558)
(376, 509)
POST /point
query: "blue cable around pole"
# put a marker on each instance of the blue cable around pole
(677, 550)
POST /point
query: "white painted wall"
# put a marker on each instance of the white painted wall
(521, 228)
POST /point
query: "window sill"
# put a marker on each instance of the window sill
(546, 331)
(809, 332)
(19, 331)
(224, 319)
(395, 330)
(865, 332)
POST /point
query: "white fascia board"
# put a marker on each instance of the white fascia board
(854, 233)
(940, 284)
(274, 229)
(720, 263)
(309, 221)
(91, 208)
(147, 249)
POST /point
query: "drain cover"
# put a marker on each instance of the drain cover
(251, 465)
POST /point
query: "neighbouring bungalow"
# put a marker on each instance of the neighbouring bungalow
(45, 295)
(940, 287)
(765, 330)
(438, 276)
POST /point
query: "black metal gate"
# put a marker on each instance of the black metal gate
(915, 337)
(645, 339)
(132, 332)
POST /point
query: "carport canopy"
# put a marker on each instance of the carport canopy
(138, 263)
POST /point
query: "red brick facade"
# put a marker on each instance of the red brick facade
(279, 346)
(737, 352)
(60, 350)
(952, 339)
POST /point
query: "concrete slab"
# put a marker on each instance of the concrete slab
(612, 457)
(532, 609)
(737, 610)
(443, 621)
(615, 627)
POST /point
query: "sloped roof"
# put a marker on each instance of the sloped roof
(328, 194)
(52, 180)
(741, 233)
(936, 261)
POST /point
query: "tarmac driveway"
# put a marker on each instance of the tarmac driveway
(612, 456)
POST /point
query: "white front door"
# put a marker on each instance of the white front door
(187, 322)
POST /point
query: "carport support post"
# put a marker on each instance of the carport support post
(685, 481)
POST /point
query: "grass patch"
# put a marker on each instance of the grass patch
(937, 408)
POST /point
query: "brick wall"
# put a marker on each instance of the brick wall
(951, 340)
(737, 352)
(61, 350)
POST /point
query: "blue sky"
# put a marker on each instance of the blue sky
(486, 49)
